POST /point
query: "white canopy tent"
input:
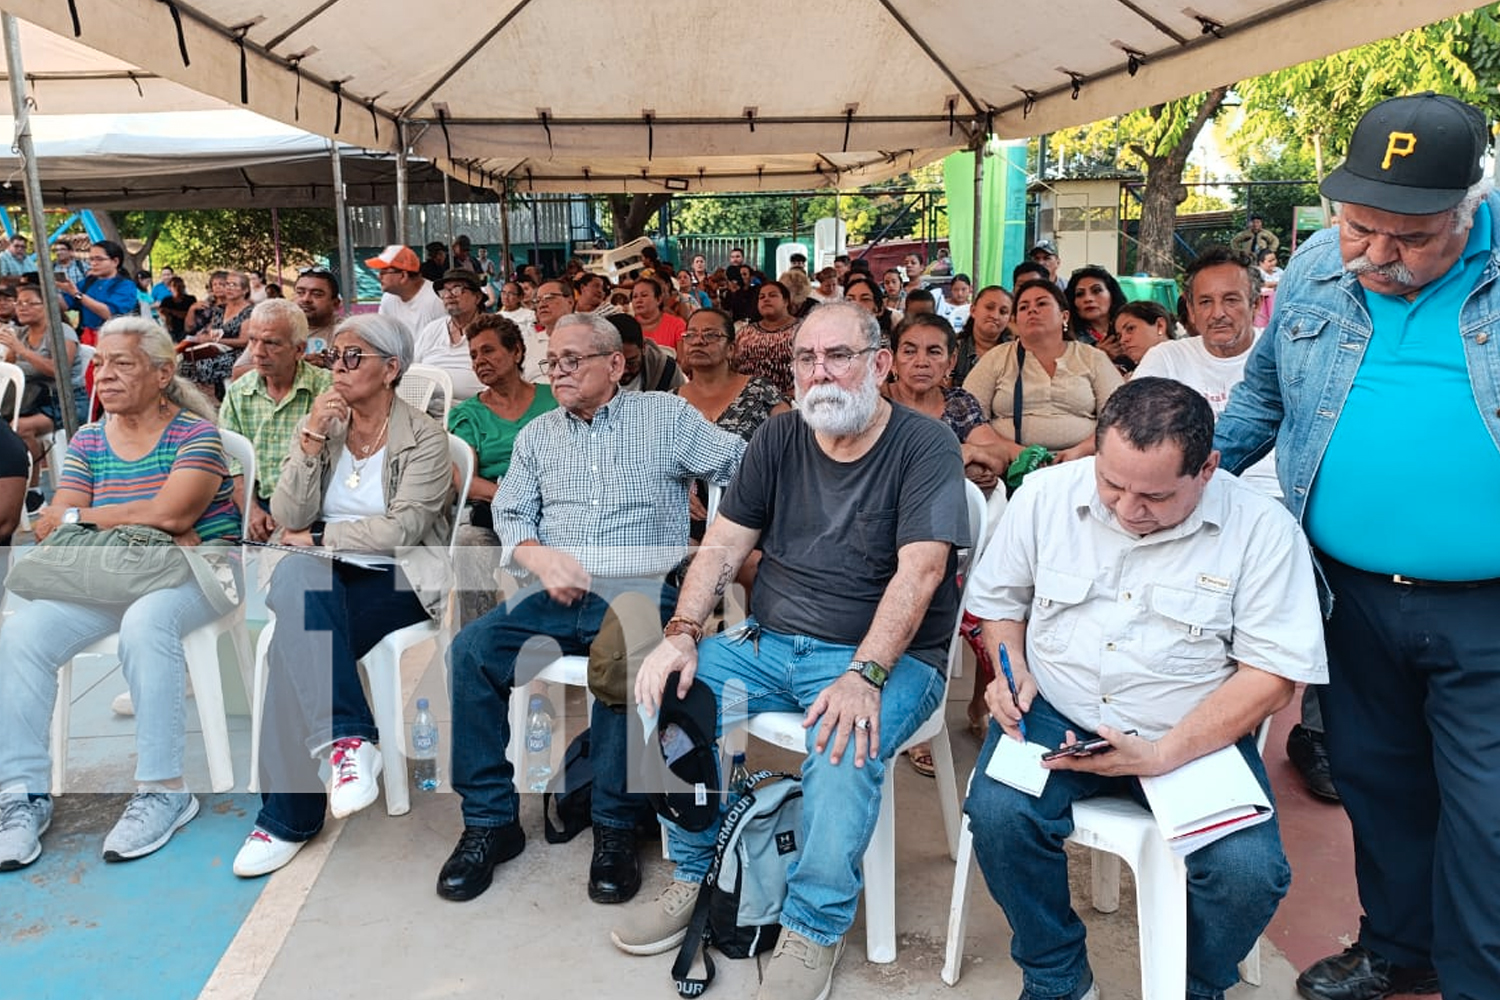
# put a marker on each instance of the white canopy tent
(572, 95)
(206, 159)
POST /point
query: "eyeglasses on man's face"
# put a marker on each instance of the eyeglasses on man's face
(567, 364)
(702, 337)
(836, 361)
(349, 356)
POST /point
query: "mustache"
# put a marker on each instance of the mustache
(1394, 271)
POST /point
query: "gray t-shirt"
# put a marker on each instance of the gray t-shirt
(831, 530)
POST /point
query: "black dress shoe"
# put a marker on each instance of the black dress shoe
(1309, 756)
(1357, 974)
(471, 866)
(615, 871)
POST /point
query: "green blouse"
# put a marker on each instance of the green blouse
(492, 437)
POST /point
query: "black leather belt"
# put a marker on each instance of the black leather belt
(1412, 581)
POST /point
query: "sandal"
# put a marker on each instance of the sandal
(921, 759)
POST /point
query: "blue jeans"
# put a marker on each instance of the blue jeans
(507, 648)
(326, 614)
(840, 802)
(45, 634)
(1234, 884)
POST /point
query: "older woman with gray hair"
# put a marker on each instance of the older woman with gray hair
(367, 479)
(154, 460)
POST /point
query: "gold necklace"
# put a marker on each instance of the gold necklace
(359, 466)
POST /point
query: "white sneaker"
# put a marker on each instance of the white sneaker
(354, 764)
(23, 820)
(262, 854)
(122, 705)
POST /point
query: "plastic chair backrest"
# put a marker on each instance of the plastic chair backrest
(462, 456)
(239, 447)
(13, 379)
(421, 382)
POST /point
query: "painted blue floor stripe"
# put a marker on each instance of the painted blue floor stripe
(75, 928)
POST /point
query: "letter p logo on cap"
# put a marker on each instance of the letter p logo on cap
(1398, 144)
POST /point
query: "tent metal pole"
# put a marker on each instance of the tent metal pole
(977, 274)
(536, 234)
(341, 211)
(401, 183)
(276, 240)
(448, 206)
(507, 270)
(37, 211)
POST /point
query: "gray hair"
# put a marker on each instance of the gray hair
(386, 334)
(156, 344)
(285, 314)
(604, 336)
(1463, 212)
(863, 320)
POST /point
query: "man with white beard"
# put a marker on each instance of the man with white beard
(858, 507)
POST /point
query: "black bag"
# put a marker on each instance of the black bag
(572, 794)
(739, 906)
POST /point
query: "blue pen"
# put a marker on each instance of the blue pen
(1010, 682)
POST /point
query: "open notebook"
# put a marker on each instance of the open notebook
(1206, 799)
(366, 560)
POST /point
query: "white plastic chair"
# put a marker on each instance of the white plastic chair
(785, 730)
(13, 379)
(621, 260)
(421, 383)
(1116, 827)
(201, 649)
(382, 666)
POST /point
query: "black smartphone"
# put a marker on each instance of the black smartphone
(1084, 748)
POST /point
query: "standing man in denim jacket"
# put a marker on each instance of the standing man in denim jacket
(1383, 360)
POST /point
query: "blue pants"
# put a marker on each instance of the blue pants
(1413, 716)
(507, 648)
(1234, 884)
(840, 802)
(328, 615)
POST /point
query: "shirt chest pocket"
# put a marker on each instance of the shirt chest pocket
(1301, 353)
(1189, 631)
(1054, 608)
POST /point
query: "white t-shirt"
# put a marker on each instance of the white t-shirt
(435, 347)
(536, 352)
(1189, 362)
(956, 315)
(366, 498)
(522, 317)
(424, 307)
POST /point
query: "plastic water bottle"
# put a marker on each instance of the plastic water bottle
(739, 775)
(424, 749)
(538, 744)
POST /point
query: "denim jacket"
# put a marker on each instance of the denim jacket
(1300, 371)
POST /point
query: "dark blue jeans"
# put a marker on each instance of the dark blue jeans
(1234, 884)
(506, 649)
(328, 615)
(1412, 707)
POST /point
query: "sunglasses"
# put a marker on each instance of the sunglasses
(350, 356)
(317, 271)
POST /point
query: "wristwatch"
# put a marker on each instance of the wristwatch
(71, 516)
(873, 673)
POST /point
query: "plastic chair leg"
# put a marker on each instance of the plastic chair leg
(61, 713)
(257, 695)
(958, 905)
(947, 789)
(383, 665)
(1161, 908)
(1105, 874)
(201, 648)
(880, 879)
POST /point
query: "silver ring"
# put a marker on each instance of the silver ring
(861, 724)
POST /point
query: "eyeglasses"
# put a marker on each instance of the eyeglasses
(350, 356)
(836, 362)
(552, 295)
(698, 337)
(316, 271)
(567, 364)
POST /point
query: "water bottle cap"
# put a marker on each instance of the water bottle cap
(738, 758)
(421, 704)
(536, 702)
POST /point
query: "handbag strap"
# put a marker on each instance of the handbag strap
(1015, 402)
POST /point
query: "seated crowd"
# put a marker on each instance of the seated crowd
(840, 414)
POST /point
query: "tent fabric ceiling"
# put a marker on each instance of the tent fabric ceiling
(568, 95)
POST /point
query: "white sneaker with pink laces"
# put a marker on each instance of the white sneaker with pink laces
(262, 854)
(354, 765)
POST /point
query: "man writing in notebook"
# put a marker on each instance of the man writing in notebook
(1142, 589)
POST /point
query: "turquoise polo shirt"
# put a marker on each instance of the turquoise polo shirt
(1408, 482)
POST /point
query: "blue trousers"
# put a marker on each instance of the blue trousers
(507, 648)
(1413, 722)
(328, 615)
(840, 802)
(1234, 884)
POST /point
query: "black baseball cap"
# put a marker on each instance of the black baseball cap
(685, 731)
(1413, 155)
(461, 275)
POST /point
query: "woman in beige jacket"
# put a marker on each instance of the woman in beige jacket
(368, 481)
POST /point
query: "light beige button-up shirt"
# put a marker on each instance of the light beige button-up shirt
(1134, 632)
